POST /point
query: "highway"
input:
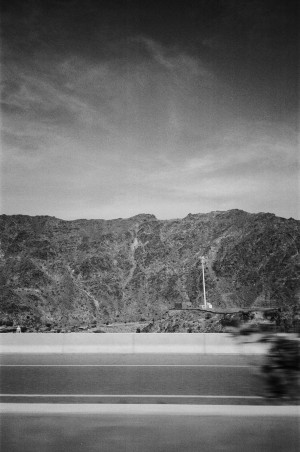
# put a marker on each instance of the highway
(80, 428)
(83, 378)
(140, 403)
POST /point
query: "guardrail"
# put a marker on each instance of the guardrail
(201, 343)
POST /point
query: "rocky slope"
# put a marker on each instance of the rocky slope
(87, 272)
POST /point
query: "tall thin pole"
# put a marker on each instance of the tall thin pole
(204, 294)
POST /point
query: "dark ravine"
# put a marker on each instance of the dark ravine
(87, 272)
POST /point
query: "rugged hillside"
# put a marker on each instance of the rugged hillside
(87, 272)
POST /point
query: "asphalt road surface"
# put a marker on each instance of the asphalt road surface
(140, 403)
(187, 379)
(157, 431)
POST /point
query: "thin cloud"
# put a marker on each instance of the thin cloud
(156, 133)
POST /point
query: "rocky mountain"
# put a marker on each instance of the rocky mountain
(87, 272)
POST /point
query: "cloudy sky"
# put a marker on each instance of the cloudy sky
(114, 108)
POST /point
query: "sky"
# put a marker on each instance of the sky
(115, 108)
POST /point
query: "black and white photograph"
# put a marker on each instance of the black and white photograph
(149, 226)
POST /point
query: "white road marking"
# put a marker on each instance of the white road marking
(126, 365)
(168, 396)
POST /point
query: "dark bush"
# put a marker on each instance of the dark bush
(282, 366)
(229, 321)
